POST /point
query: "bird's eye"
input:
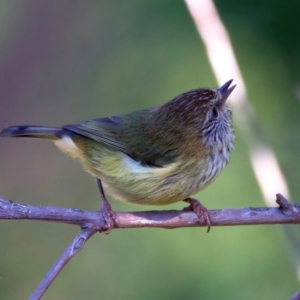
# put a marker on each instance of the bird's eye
(215, 113)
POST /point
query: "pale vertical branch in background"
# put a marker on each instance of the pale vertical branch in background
(225, 66)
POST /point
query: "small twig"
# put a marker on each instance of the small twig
(286, 207)
(296, 296)
(76, 245)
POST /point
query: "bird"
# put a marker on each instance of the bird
(154, 156)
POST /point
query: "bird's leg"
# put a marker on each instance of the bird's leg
(200, 210)
(105, 209)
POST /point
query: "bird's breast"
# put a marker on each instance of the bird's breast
(128, 180)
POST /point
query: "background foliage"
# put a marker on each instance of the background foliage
(68, 61)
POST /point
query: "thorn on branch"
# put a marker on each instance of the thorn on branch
(287, 208)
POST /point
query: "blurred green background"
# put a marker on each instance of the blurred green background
(68, 61)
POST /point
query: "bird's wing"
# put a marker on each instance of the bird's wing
(129, 134)
(103, 130)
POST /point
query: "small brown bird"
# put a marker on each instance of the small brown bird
(153, 156)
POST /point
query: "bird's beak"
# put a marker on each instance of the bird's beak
(225, 91)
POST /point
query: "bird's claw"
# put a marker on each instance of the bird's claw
(200, 210)
(108, 216)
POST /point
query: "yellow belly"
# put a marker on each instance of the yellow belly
(129, 181)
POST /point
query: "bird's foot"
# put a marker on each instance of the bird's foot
(108, 215)
(106, 210)
(200, 210)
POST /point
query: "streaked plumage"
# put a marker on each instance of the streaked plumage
(153, 156)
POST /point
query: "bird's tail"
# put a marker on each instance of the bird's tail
(40, 132)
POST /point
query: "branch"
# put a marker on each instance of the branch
(295, 296)
(93, 221)
(224, 64)
(286, 213)
(72, 249)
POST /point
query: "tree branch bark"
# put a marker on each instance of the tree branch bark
(285, 213)
(71, 250)
(93, 221)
